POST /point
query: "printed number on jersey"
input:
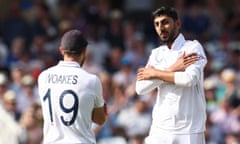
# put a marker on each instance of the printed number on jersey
(65, 109)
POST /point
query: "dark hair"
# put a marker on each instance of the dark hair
(73, 41)
(168, 11)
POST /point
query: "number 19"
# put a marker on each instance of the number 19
(73, 109)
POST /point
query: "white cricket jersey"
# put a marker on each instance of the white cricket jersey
(68, 95)
(180, 108)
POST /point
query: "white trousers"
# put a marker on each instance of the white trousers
(157, 137)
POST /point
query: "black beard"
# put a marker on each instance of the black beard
(171, 38)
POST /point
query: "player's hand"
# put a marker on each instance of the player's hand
(190, 59)
(146, 73)
(183, 62)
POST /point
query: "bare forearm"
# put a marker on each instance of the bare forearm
(182, 63)
(153, 73)
(99, 115)
(166, 75)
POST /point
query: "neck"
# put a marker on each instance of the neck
(79, 59)
(69, 59)
(171, 41)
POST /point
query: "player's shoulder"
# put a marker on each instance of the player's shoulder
(83, 74)
(192, 43)
(91, 76)
(47, 70)
(89, 79)
(156, 49)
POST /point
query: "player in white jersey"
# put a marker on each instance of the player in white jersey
(176, 69)
(71, 98)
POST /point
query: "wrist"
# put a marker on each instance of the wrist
(155, 74)
(170, 69)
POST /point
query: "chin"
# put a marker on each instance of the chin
(165, 41)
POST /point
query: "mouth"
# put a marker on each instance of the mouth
(164, 34)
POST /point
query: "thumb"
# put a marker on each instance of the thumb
(184, 54)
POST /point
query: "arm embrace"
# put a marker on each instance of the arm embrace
(185, 71)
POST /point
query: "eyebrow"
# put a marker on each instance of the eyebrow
(163, 21)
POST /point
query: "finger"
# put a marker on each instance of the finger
(186, 59)
(140, 70)
(139, 73)
(184, 54)
(192, 60)
(140, 77)
(190, 55)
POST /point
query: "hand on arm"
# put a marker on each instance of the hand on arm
(181, 64)
(152, 73)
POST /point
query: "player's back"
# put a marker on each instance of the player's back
(68, 95)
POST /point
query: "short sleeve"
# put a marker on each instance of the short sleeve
(98, 100)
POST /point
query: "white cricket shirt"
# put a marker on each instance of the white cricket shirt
(180, 108)
(68, 95)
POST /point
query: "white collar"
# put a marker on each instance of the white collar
(178, 42)
(69, 63)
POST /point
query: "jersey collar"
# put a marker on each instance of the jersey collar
(69, 64)
(179, 41)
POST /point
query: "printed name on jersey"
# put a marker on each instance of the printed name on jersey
(62, 79)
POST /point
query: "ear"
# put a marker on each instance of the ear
(83, 56)
(84, 51)
(61, 51)
(178, 23)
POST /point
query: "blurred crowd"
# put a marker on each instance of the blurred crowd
(121, 36)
